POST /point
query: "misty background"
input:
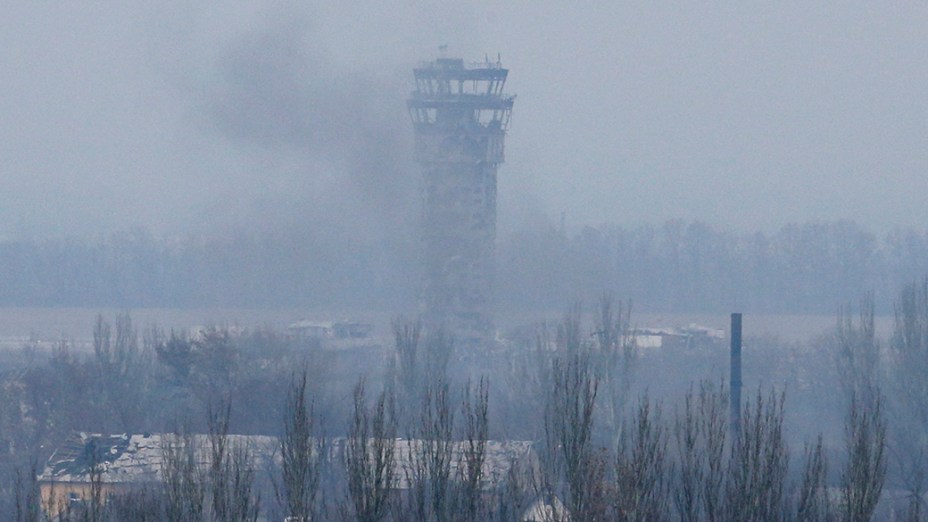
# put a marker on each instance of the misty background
(708, 155)
(688, 158)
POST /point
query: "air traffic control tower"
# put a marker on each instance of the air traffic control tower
(460, 116)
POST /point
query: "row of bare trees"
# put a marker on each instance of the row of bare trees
(892, 380)
(690, 467)
(600, 455)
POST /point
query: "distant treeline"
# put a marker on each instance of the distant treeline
(693, 267)
(677, 266)
(136, 269)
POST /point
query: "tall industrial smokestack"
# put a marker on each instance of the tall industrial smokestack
(460, 116)
(735, 379)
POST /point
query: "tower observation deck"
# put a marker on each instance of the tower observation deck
(460, 116)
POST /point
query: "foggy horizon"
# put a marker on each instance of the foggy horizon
(182, 120)
(295, 224)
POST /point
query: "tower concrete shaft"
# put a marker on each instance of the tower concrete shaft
(460, 116)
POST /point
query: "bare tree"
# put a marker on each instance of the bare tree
(139, 504)
(758, 463)
(865, 470)
(513, 497)
(908, 390)
(231, 477)
(641, 462)
(406, 334)
(431, 457)
(182, 479)
(27, 495)
(217, 419)
(700, 432)
(244, 500)
(120, 366)
(813, 504)
(369, 457)
(615, 353)
(569, 411)
(439, 347)
(569, 338)
(93, 506)
(300, 453)
(713, 405)
(688, 483)
(476, 431)
(858, 351)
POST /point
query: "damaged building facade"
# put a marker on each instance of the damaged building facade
(460, 116)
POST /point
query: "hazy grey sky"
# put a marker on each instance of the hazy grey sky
(199, 116)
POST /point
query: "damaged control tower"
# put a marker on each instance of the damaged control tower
(460, 116)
